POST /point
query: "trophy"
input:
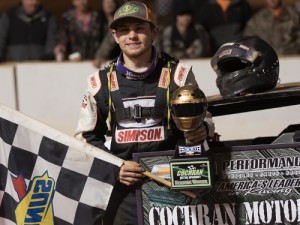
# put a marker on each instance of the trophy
(190, 166)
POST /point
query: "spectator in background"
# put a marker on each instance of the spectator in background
(185, 38)
(27, 32)
(196, 6)
(108, 48)
(80, 32)
(163, 11)
(277, 24)
(297, 5)
(224, 20)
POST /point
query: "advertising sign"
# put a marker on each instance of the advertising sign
(257, 184)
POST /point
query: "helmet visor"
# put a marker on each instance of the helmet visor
(188, 109)
(234, 57)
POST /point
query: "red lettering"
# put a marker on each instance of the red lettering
(157, 134)
(131, 135)
(140, 135)
(164, 80)
(120, 136)
(163, 83)
(181, 74)
(150, 135)
(137, 135)
(143, 135)
(113, 83)
(93, 82)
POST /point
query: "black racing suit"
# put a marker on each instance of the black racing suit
(139, 120)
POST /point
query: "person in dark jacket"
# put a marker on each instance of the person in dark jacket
(224, 20)
(279, 25)
(185, 38)
(27, 32)
(108, 49)
(80, 32)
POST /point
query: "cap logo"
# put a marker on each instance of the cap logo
(127, 10)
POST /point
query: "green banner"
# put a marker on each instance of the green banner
(252, 185)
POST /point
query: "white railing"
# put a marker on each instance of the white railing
(52, 93)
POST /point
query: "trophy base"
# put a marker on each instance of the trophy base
(190, 168)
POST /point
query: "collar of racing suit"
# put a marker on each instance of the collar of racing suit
(122, 69)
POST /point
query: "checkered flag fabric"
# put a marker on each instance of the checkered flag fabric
(50, 178)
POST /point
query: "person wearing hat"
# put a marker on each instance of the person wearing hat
(130, 100)
(185, 38)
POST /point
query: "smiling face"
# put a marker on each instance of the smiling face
(135, 37)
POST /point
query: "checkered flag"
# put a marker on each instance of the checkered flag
(50, 178)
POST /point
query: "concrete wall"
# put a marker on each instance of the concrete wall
(7, 85)
(52, 93)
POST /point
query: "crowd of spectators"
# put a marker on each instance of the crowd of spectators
(277, 24)
(188, 29)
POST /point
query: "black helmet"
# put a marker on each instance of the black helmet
(246, 65)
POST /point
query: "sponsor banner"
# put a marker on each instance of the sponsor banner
(163, 80)
(140, 135)
(190, 174)
(181, 74)
(114, 85)
(94, 83)
(252, 185)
